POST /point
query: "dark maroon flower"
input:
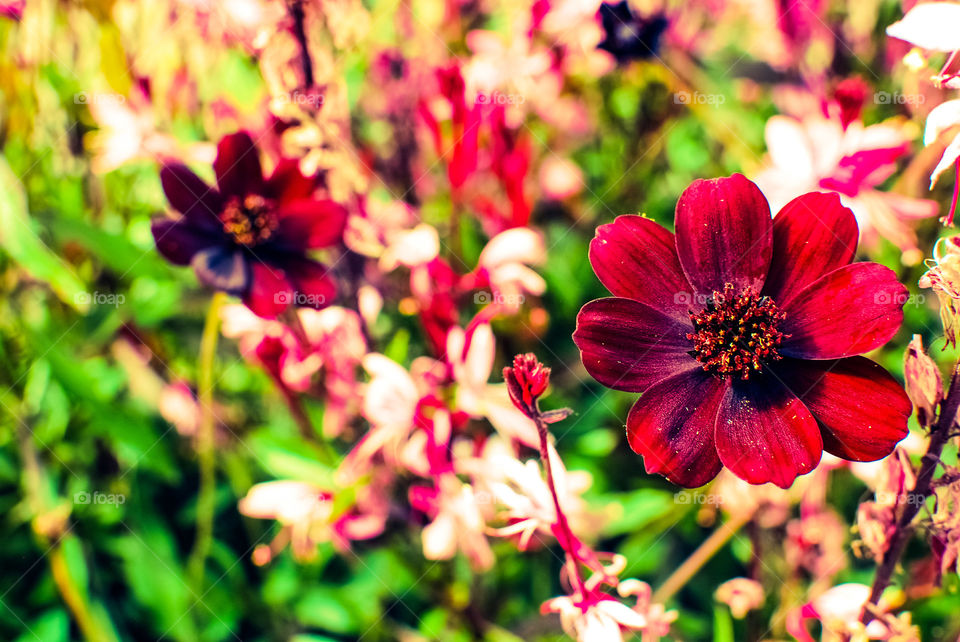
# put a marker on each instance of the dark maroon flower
(250, 237)
(742, 334)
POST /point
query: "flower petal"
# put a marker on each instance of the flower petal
(672, 427)
(287, 183)
(724, 234)
(765, 434)
(237, 166)
(861, 409)
(312, 285)
(852, 310)
(308, 223)
(930, 26)
(813, 235)
(178, 241)
(627, 345)
(222, 268)
(636, 258)
(270, 292)
(191, 196)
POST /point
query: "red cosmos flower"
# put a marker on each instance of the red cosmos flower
(250, 237)
(741, 332)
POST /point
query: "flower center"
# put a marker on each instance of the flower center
(735, 334)
(249, 221)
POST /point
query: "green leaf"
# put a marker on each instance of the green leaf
(21, 242)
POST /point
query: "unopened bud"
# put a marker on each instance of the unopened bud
(924, 385)
(526, 381)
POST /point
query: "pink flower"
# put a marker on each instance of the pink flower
(600, 617)
(741, 594)
(819, 154)
(458, 523)
(838, 611)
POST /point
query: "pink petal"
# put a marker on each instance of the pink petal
(627, 345)
(861, 409)
(269, 293)
(237, 166)
(672, 427)
(308, 223)
(813, 235)
(765, 434)
(724, 234)
(636, 258)
(852, 310)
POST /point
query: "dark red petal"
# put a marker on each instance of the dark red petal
(222, 268)
(852, 310)
(861, 409)
(627, 345)
(189, 195)
(765, 434)
(312, 285)
(308, 223)
(636, 258)
(238, 166)
(724, 234)
(270, 292)
(672, 427)
(813, 235)
(178, 241)
(287, 183)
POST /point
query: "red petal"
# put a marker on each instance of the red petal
(312, 285)
(724, 234)
(627, 345)
(308, 223)
(270, 292)
(189, 195)
(636, 258)
(178, 241)
(672, 427)
(852, 310)
(862, 410)
(287, 183)
(765, 434)
(813, 235)
(237, 166)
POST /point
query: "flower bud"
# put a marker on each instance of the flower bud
(526, 381)
(924, 386)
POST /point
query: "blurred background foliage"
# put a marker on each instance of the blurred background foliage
(77, 412)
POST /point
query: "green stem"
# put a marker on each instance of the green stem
(47, 530)
(701, 556)
(205, 442)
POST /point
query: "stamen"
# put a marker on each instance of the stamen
(736, 334)
(250, 221)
